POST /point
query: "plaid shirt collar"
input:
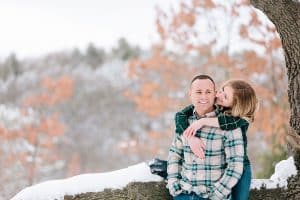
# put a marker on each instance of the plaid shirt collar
(210, 114)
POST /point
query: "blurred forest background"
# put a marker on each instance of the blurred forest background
(92, 110)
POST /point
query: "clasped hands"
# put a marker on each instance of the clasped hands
(195, 143)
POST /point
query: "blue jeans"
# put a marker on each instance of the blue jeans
(191, 196)
(241, 190)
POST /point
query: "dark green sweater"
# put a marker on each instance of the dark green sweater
(226, 122)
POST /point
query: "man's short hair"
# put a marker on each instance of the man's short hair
(202, 77)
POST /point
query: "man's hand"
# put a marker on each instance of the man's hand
(197, 146)
(192, 129)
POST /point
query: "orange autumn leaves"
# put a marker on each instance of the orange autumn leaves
(147, 99)
(40, 135)
(165, 73)
(54, 91)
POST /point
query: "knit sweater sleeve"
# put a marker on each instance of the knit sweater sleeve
(228, 122)
(181, 119)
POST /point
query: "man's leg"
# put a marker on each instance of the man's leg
(241, 190)
(200, 198)
(183, 197)
(191, 196)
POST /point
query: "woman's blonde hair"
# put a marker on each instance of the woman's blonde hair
(244, 103)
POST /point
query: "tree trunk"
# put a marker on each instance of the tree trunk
(285, 14)
(133, 191)
(158, 191)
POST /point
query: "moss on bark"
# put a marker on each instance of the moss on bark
(158, 191)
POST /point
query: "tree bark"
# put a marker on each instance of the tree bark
(158, 191)
(285, 14)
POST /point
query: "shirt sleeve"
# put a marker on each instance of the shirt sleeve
(234, 150)
(174, 166)
(227, 122)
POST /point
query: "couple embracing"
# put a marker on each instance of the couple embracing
(208, 156)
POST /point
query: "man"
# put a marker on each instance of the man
(190, 177)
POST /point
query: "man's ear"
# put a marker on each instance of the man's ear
(189, 93)
(215, 96)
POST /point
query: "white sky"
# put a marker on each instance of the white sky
(32, 28)
(56, 189)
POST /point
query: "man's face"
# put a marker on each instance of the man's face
(202, 95)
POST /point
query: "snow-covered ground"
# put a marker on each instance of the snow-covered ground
(56, 189)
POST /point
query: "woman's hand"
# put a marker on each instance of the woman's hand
(192, 129)
(197, 146)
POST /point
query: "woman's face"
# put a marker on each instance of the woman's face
(224, 97)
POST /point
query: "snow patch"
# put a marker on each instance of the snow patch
(57, 189)
(283, 170)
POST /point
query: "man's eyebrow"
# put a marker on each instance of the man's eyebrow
(200, 90)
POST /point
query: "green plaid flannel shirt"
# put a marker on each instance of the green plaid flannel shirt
(212, 177)
(226, 122)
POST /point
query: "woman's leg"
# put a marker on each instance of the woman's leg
(241, 190)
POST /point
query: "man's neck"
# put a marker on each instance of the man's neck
(204, 112)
